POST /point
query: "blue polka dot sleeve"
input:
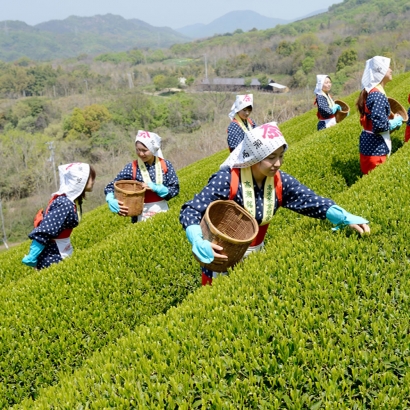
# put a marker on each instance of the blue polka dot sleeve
(299, 198)
(295, 196)
(170, 179)
(236, 134)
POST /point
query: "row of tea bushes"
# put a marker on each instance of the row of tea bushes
(53, 319)
(100, 223)
(319, 320)
(105, 258)
(300, 128)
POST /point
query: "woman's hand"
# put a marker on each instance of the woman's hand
(123, 209)
(361, 228)
(219, 259)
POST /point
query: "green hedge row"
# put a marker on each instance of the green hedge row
(100, 223)
(300, 128)
(319, 320)
(53, 319)
(37, 352)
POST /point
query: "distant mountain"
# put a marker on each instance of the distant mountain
(242, 19)
(81, 35)
(313, 13)
(228, 23)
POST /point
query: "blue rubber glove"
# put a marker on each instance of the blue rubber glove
(395, 123)
(112, 202)
(35, 249)
(340, 217)
(200, 247)
(335, 108)
(159, 189)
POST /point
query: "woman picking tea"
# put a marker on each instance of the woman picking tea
(251, 177)
(373, 105)
(51, 235)
(240, 120)
(326, 107)
(156, 174)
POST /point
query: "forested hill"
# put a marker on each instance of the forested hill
(81, 35)
(335, 42)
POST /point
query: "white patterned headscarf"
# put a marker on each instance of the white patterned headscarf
(241, 102)
(320, 80)
(151, 140)
(257, 144)
(73, 179)
(374, 72)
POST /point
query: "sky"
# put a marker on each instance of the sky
(159, 13)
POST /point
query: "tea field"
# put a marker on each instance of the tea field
(319, 320)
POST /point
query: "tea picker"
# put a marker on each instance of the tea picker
(156, 176)
(326, 107)
(251, 178)
(240, 120)
(53, 227)
(375, 110)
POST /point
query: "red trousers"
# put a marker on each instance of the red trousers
(206, 280)
(370, 162)
(407, 134)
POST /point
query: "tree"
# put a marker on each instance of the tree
(347, 58)
(161, 81)
(86, 121)
(308, 64)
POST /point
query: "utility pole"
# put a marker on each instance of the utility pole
(4, 229)
(206, 68)
(50, 145)
(130, 82)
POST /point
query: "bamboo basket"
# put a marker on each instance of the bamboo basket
(397, 108)
(227, 224)
(343, 113)
(132, 193)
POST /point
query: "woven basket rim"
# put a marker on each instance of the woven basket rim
(342, 103)
(143, 189)
(393, 101)
(216, 231)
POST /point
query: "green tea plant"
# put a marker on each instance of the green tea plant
(318, 320)
(123, 275)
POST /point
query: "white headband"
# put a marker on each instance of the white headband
(257, 144)
(374, 72)
(73, 179)
(241, 102)
(151, 140)
(320, 79)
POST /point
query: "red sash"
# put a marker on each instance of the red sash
(150, 196)
(278, 190)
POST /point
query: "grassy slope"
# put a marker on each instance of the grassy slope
(317, 321)
(89, 293)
